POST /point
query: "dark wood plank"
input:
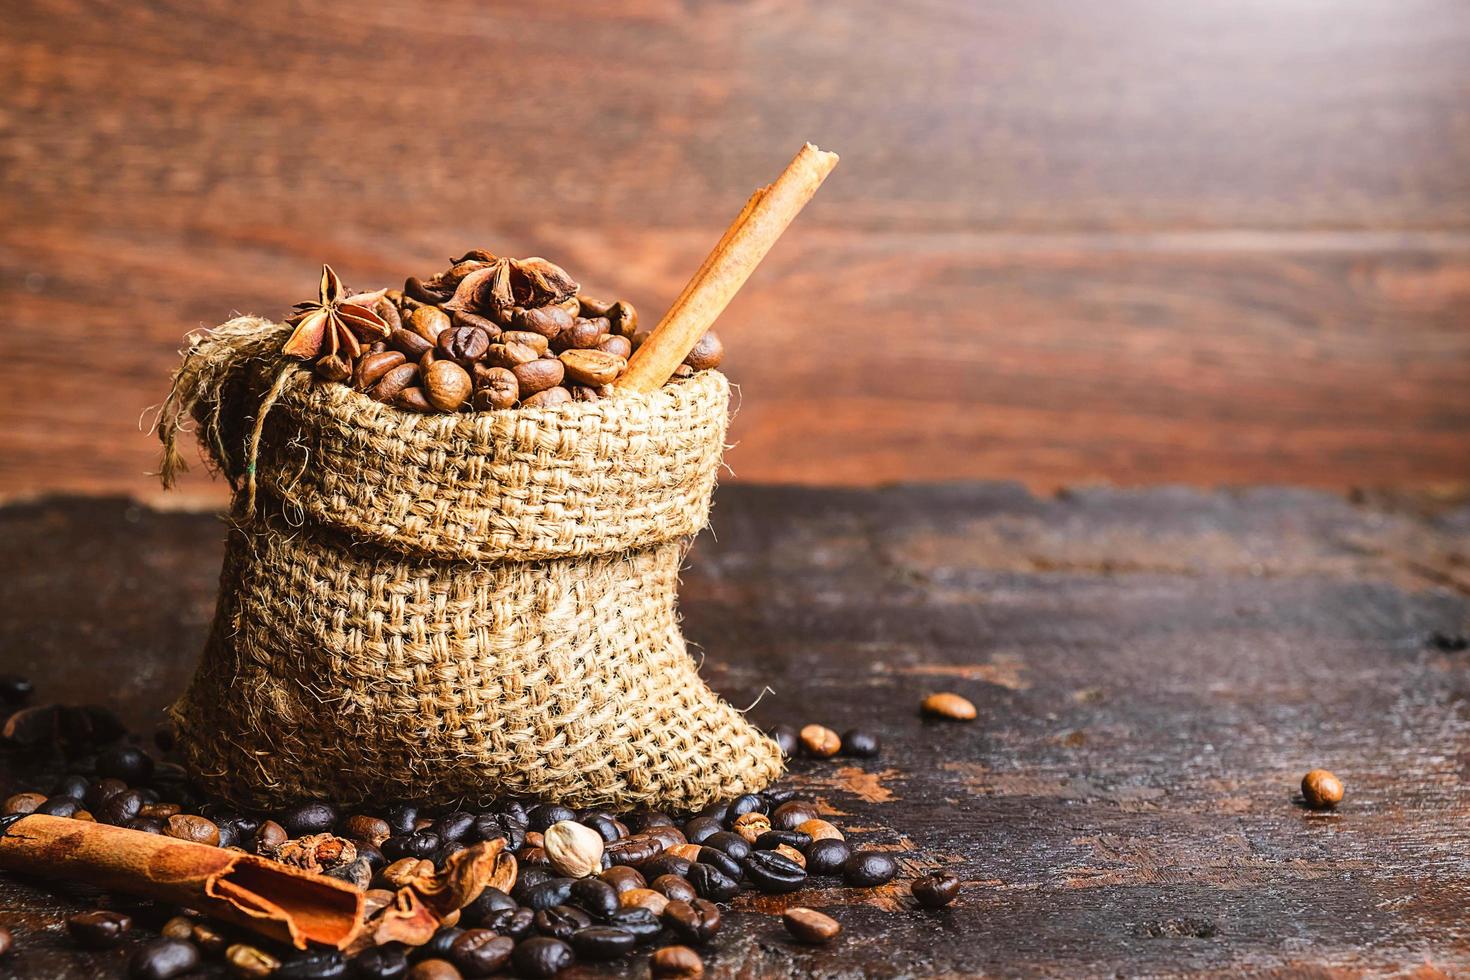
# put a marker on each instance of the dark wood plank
(1154, 669)
(1134, 241)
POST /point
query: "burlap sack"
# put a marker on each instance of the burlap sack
(453, 607)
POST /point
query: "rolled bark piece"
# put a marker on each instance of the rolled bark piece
(747, 240)
(274, 900)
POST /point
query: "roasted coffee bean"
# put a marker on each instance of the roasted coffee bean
(357, 873)
(148, 825)
(645, 898)
(208, 939)
(237, 830)
(596, 896)
(543, 815)
(639, 921)
(606, 826)
(250, 963)
(489, 826)
(668, 834)
(731, 843)
(74, 786)
(22, 803)
(380, 963)
(547, 321)
(532, 340)
(592, 367)
(819, 741)
(409, 344)
(532, 856)
(440, 943)
(103, 790)
(414, 399)
(602, 942)
(707, 352)
(674, 888)
(393, 382)
(529, 878)
(313, 965)
(751, 825)
(538, 375)
(549, 398)
(161, 810)
(542, 956)
(447, 385)
(615, 345)
(403, 871)
(423, 844)
(679, 962)
(935, 890)
(480, 952)
(785, 738)
(187, 826)
(810, 926)
(163, 959)
(14, 688)
(361, 827)
(510, 355)
(59, 806)
(401, 817)
(489, 901)
(634, 850)
(825, 857)
(773, 872)
(742, 805)
(429, 322)
(700, 829)
(622, 878)
(372, 367)
(1321, 789)
(561, 921)
(179, 927)
(583, 333)
(270, 835)
(515, 921)
(694, 921)
(464, 318)
(948, 706)
(98, 930)
(371, 855)
(622, 319)
(772, 839)
(818, 829)
(712, 883)
(556, 891)
(868, 869)
(435, 969)
(665, 864)
(463, 344)
(727, 862)
(7, 941)
(120, 807)
(790, 815)
(126, 762)
(860, 744)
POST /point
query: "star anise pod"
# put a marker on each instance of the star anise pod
(496, 286)
(333, 326)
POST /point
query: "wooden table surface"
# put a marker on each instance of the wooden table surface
(1154, 669)
(1140, 241)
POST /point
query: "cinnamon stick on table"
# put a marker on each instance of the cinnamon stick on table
(275, 900)
(725, 270)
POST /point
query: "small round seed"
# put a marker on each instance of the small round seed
(948, 706)
(1321, 789)
(935, 890)
(820, 741)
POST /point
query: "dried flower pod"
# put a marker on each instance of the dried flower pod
(446, 384)
(539, 375)
(574, 849)
(592, 367)
(315, 852)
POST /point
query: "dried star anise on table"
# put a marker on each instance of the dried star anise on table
(333, 330)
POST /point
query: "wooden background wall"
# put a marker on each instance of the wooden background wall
(1138, 241)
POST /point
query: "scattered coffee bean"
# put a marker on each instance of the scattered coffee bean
(22, 803)
(74, 786)
(59, 806)
(163, 959)
(440, 943)
(694, 921)
(325, 964)
(179, 927)
(381, 963)
(786, 739)
(187, 826)
(773, 872)
(772, 839)
(861, 744)
(434, 969)
(250, 963)
(810, 926)
(645, 898)
(98, 930)
(935, 890)
(676, 962)
(126, 762)
(818, 829)
(623, 878)
(751, 825)
(7, 941)
(713, 884)
(725, 861)
(819, 741)
(1321, 789)
(603, 942)
(825, 857)
(480, 952)
(561, 921)
(315, 817)
(948, 706)
(868, 869)
(542, 956)
(674, 888)
(707, 353)
(596, 896)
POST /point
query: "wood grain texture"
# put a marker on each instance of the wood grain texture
(1136, 241)
(1154, 671)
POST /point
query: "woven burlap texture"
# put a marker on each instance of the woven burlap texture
(451, 608)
